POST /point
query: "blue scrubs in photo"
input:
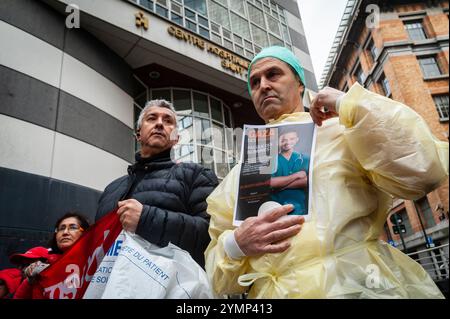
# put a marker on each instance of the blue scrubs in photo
(295, 196)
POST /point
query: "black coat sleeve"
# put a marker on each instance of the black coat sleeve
(187, 231)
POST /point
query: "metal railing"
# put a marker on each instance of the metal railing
(434, 261)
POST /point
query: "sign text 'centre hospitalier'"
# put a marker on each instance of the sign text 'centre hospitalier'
(229, 61)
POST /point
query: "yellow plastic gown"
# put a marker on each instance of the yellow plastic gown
(381, 149)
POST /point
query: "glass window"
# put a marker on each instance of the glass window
(256, 15)
(216, 38)
(286, 36)
(240, 25)
(218, 136)
(201, 105)
(215, 27)
(189, 14)
(441, 102)
(191, 25)
(226, 33)
(163, 94)
(238, 6)
(197, 5)
(162, 11)
(176, 8)
(259, 36)
(227, 116)
(238, 49)
(385, 85)
(237, 39)
(182, 100)
(275, 41)
(184, 153)
(373, 50)
(204, 32)
(185, 129)
(415, 30)
(147, 4)
(184, 122)
(216, 110)
(359, 74)
(177, 18)
(203, 21)
(229, 137)
(249, 54)
(248, 45)
(273, 25)
(202, 131)
(221, 163)
(429, 67)
(218, 14)
(206, 157)
(228, 44)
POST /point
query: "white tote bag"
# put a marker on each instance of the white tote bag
(136, 269)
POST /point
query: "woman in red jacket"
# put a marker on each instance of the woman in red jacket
(68, 230)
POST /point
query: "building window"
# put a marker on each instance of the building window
(430, 67)
(425, 210)
(197, 5)
(146, 3)
(164, 12)
(256, 15)
(252, 20)
(359, 74)
(219, 14)
(415, 30)
(441, 102)
(384, 83)
(373, 50)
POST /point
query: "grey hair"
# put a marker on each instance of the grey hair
(153, 103)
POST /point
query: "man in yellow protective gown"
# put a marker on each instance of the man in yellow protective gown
(369, 149)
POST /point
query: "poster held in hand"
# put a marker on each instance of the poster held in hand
(276, 169)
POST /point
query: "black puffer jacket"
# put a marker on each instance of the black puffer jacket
(174, 198)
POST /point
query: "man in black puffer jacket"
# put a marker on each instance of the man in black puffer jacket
(160, 200)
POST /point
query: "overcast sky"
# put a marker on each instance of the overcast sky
(320, 19)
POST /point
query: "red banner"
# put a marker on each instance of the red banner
(69, 277)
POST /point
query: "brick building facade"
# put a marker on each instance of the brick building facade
(404, 55)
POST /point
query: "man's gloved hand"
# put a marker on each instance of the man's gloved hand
(325, 105)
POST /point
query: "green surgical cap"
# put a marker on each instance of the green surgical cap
(282, 54)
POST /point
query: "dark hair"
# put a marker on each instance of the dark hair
(287, 129)
(84, 223)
